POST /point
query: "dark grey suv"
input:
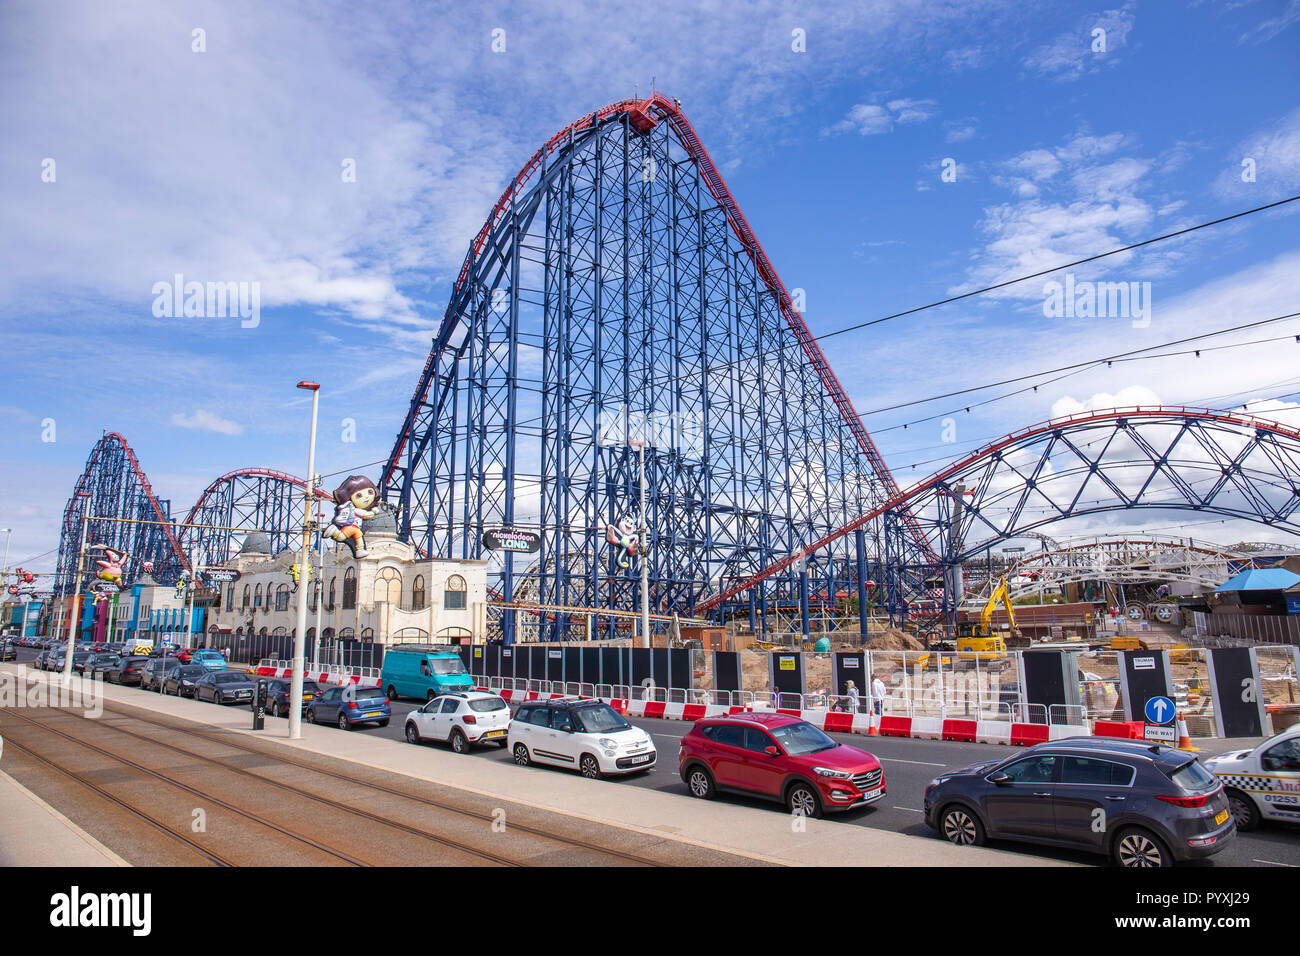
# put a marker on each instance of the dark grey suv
(1142, 804)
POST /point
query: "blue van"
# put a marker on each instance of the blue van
(423, 671)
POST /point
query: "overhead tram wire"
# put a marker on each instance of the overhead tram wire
(760, 357)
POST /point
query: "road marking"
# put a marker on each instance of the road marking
(1272, 863)
(668, 736)
(909, 809)
(919, 763)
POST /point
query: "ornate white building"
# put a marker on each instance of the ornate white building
(390, 596)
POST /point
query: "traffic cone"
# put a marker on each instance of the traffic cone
(1184, 738)
(872, 729)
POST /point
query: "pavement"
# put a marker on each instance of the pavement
(33, 833)
(761, 833)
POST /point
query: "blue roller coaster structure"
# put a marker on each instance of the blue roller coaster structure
(617, 293)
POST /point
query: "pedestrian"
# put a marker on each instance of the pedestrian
(226, 652)
(855, 704)
(877, 695)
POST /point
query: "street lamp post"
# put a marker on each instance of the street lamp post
(642, 532)
(76, 595)
(300, 631)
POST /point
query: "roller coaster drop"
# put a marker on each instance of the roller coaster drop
(616, 292)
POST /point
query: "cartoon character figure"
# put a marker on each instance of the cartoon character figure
(354, 502)
(26, 576)
(182, 583)
(110, 568)
(623, 536)
(296, 572)
(148, 567)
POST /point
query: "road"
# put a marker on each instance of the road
(909, 766)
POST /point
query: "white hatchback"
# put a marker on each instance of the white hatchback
(461, 719)
(586, 734)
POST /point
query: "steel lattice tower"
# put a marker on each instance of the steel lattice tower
(617, 276)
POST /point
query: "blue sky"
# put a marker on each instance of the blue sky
(225, 165)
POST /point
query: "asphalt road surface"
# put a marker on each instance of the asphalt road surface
(909, 765)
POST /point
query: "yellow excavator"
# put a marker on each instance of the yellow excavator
(976, 640)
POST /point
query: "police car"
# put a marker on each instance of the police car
(1264, 783)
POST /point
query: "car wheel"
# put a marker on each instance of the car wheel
(802, 799)
(412, 732)
(343, 722)
(1135, 847)
(521, 755)
(458, 742)
(1243, 810)
(961, 826)
(382, 723)
(590, 767)
(392, 692)
(503, 744)
(700, 782)
(429, 695)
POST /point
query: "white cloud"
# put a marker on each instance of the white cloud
(1274, 155)
(870, 119)
(1072, 54)
(204, 420)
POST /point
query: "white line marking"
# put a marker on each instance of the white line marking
(919, 763)
(667, 736)
(909, 809)
(1272, 863)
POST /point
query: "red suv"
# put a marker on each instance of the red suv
(779, 757)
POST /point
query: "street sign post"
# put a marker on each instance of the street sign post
(1159, 729)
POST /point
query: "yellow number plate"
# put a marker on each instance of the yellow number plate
(1221, 818)
(495, 733)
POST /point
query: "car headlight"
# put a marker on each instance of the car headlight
(608, 744)
(828, 772)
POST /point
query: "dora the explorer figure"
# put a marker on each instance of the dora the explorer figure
(353, 504)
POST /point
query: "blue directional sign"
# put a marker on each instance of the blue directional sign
(1159, 710)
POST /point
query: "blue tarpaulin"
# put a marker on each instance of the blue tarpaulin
(1260, 579)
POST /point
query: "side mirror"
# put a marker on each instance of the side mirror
(1001, 779)
(771, 751)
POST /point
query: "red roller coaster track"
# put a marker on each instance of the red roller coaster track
(644, 115)
(1016, 437)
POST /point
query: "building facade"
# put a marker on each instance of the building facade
(389, 596)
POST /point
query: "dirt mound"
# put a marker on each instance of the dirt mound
(892, 639)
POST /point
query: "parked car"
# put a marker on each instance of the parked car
(586, 734)
(1262, 783)
(778, 757)
(224, 687)
(349, 705)
(277, 695)
(212, 660)
(127, 670)
(183, 681)
(1156, 805)
(8, 651)
(155, 671)
(103, 664)
(82, 662)
(461, 720)
(423, 673)
(182, 654)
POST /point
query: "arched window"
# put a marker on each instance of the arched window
(282, 598)
(417, 593)
(280, 632)
(245, 595)
(330, 605)
(368, 634)
(230, 596)
(388, 588)
(257, 596)
(349, 589)
(313, 596)
(453, 598)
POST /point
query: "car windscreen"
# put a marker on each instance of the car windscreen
(448, 665)
(229, 677)
(601, 719)
(366, 693)
(189, 670)
(308, 687)
(801, 738)
(1193, 776)
(486, 704)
